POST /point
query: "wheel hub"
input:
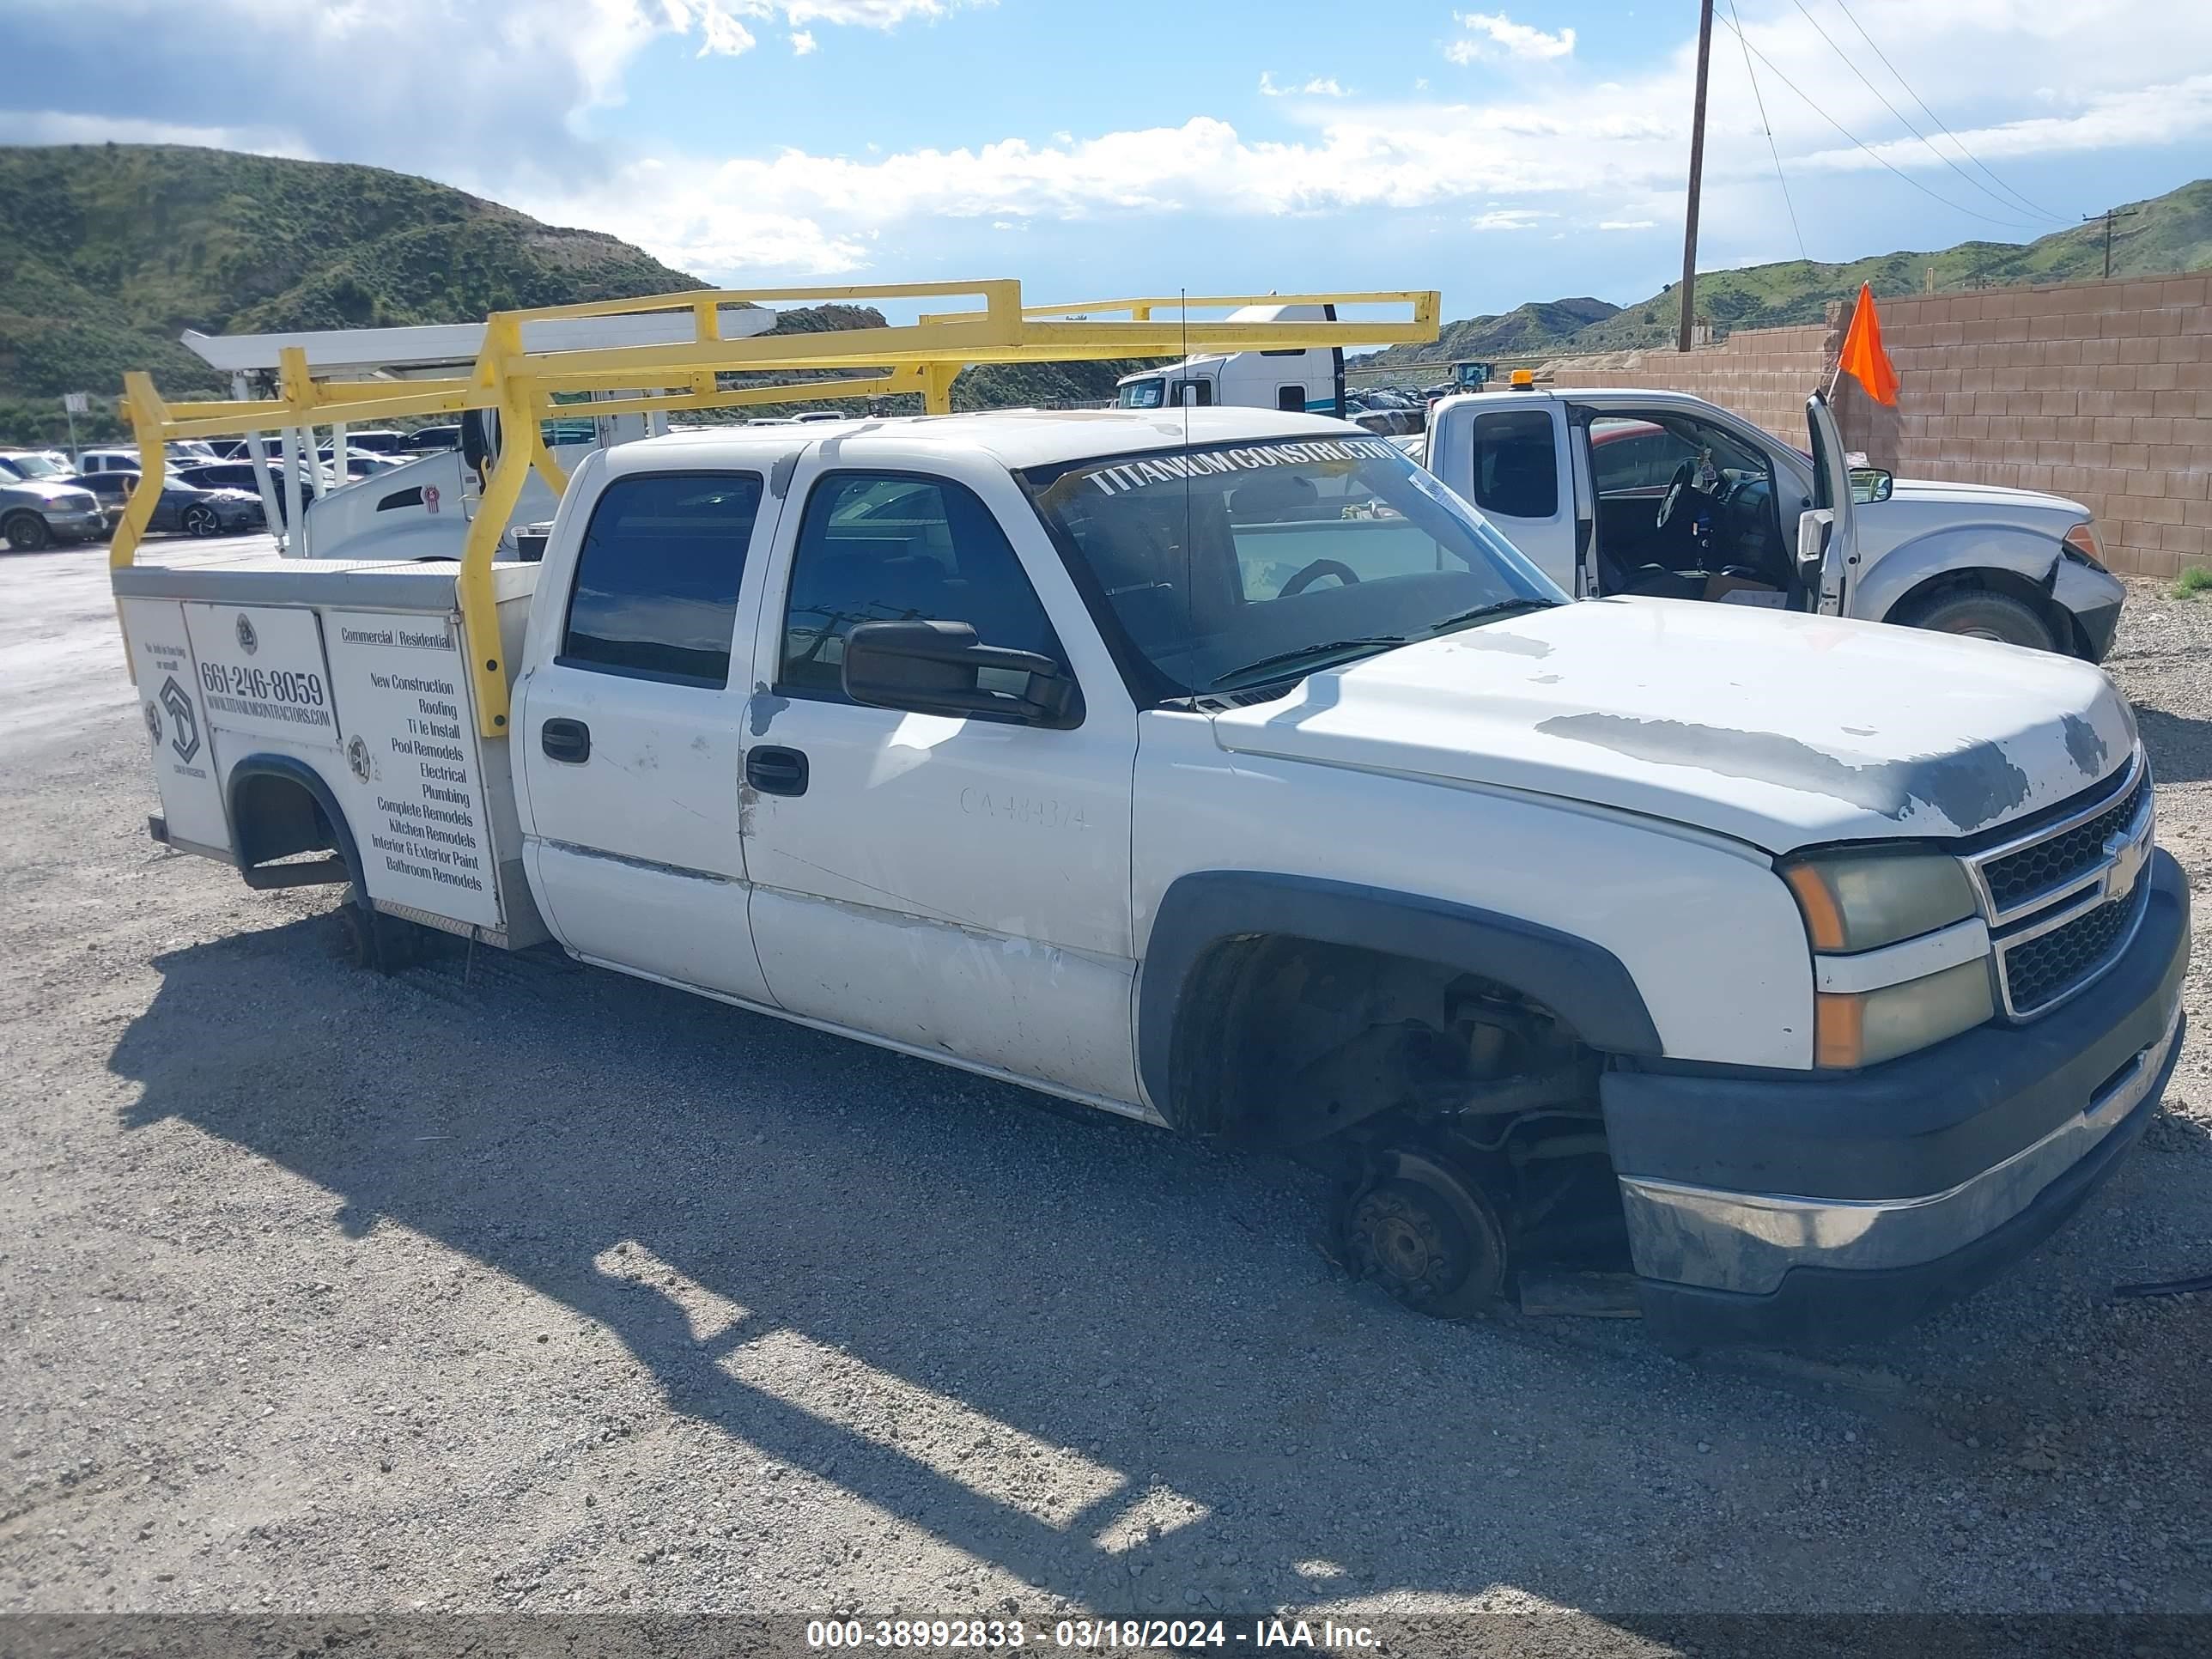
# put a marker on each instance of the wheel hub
(1424, 1232)
(1402, 1237)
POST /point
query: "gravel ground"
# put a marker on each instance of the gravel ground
(507, 1284)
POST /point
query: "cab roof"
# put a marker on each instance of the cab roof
(1015, 437)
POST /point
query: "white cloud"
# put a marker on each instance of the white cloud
(1493, 35)
(1508, 219)
(2160, 114)
(1625, 224)
(721, 34)
(1320, 86)
(802, 43)
(862, 14)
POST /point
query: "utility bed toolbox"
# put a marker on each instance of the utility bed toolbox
(347, 681)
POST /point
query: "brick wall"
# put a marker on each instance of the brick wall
(2098, 390)
(2101, 391)
(1764, 375)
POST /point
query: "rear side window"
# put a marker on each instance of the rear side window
(1516, 475)
(888, 547)
(656, 589)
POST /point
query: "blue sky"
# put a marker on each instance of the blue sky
(1500, 155)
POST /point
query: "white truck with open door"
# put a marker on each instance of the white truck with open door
(1231, 774)
(1664, 495)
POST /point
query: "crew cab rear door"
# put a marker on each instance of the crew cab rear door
(629, 721)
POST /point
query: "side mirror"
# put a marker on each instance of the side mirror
(941, 668)
(1815, 525)
(1872, 483)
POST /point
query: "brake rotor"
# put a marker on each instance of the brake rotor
(1428, 1235)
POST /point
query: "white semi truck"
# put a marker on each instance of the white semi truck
(1308, 380)
(1218, 767)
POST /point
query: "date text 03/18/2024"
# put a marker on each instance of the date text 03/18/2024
(1102, 1635)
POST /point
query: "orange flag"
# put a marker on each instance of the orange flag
(1863, 357)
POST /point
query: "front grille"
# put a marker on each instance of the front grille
(2017, 879)
(2041, 970)
(2061, 902)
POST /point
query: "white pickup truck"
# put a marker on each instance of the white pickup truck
(1219, 768)
(1665, 494)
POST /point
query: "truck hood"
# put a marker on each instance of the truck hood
(1778, 729)
(54, 493)
(1930, 492)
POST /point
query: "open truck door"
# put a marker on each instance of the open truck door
(1825, 545)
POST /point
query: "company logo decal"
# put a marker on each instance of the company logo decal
(186, 742)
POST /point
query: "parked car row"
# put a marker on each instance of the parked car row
(44, 500)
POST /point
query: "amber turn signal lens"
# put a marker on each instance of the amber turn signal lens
(1824, 920)
(1838, 1030)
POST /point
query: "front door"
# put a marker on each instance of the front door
(958, 885)
(1831, 499)
(629, 735)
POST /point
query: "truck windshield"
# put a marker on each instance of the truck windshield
(1143, 394)
(1228, 566)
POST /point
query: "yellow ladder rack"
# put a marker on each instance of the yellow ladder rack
(924, 356)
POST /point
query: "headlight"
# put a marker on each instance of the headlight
(2080, 544)
(1861, 901)
(1864, 1028)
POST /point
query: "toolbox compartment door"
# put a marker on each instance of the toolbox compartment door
(175, 705)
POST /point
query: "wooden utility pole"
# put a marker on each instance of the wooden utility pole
(2108, 216)
(1697, 177)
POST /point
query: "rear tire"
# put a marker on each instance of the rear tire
(27, 532)
(1978, 614)
(376, 942)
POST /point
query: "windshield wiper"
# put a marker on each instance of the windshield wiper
(1495, 608)
(1282, 658)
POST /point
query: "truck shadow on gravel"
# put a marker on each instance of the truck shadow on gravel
(1068, 1346)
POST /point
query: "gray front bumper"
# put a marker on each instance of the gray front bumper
(1787, 1207)
(1747, 1243)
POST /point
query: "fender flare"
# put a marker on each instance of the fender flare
(1584, 983)
(1955, 550)
(296, 771)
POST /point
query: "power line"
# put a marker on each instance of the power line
(1925, 142)
(2006, 224)
(1759, 99)
(2037, 207)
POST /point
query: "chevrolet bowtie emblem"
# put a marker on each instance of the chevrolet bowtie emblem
(2127, 855)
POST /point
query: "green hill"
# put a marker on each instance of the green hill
(2167, 234)
(1536, 329)
(108, 252)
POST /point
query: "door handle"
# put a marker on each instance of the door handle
(776, 771)
(568, 741)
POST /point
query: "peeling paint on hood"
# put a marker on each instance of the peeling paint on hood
(1781, 730)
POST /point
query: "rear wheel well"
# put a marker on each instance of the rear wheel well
(275, 816)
